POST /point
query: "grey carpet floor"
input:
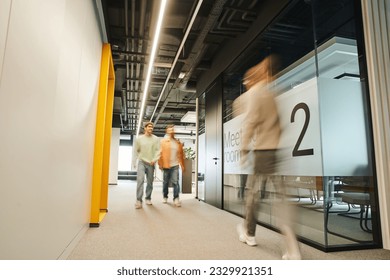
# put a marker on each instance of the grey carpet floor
(195, 231)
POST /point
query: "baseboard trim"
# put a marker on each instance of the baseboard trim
(73, 243)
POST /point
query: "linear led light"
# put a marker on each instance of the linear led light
(151, 61)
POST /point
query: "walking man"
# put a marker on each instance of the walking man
(171, 158)
(147, 147)
(261, 135)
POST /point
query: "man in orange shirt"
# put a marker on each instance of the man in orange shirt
(171, 157)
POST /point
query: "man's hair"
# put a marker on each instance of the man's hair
(148, 123)
(169, 126)
(264, 70)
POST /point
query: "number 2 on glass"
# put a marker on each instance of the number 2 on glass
(296, 151)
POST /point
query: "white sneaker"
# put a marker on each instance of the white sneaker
(138, 204)
(292, 250)
(288, 256)
(148, 202)
(165, 200)
(177, 202)
(241, 232)
(243, 237)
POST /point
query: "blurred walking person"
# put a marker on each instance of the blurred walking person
(172, 156)
(260, 136)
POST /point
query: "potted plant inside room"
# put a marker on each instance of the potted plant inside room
(189, 156)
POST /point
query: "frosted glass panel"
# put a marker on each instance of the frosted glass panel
(344, 135)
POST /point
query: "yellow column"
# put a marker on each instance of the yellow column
(101, 161)
(107, 143)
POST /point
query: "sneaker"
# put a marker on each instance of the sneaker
(292, 249)
(243, 237)
(138, 204)
(288, 256)
(148, 202)
(165, 200)
(177, 202)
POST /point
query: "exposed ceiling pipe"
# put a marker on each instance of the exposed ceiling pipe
(194, 57)
(132, 86)
(120, 117)
(127, 58)
(140, 49)
(198, 48)
(177, 56)
(119, 52)
(124, 105)
(142, 24)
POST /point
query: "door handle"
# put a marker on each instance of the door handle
(215, 158)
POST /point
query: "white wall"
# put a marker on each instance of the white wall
(48, 98)
(5, 6)
(114, 156)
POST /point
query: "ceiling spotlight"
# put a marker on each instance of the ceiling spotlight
(182, 75)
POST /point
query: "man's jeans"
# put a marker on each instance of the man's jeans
(171, 175)
(144, 169)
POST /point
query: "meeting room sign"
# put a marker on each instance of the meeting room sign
(300, 143)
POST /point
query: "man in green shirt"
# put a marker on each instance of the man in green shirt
(147, 147)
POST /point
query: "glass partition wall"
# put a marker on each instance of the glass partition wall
(326, 142)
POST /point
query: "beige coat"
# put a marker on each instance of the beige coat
(261, 121)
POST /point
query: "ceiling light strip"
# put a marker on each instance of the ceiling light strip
(151, 61)
(177, 55)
